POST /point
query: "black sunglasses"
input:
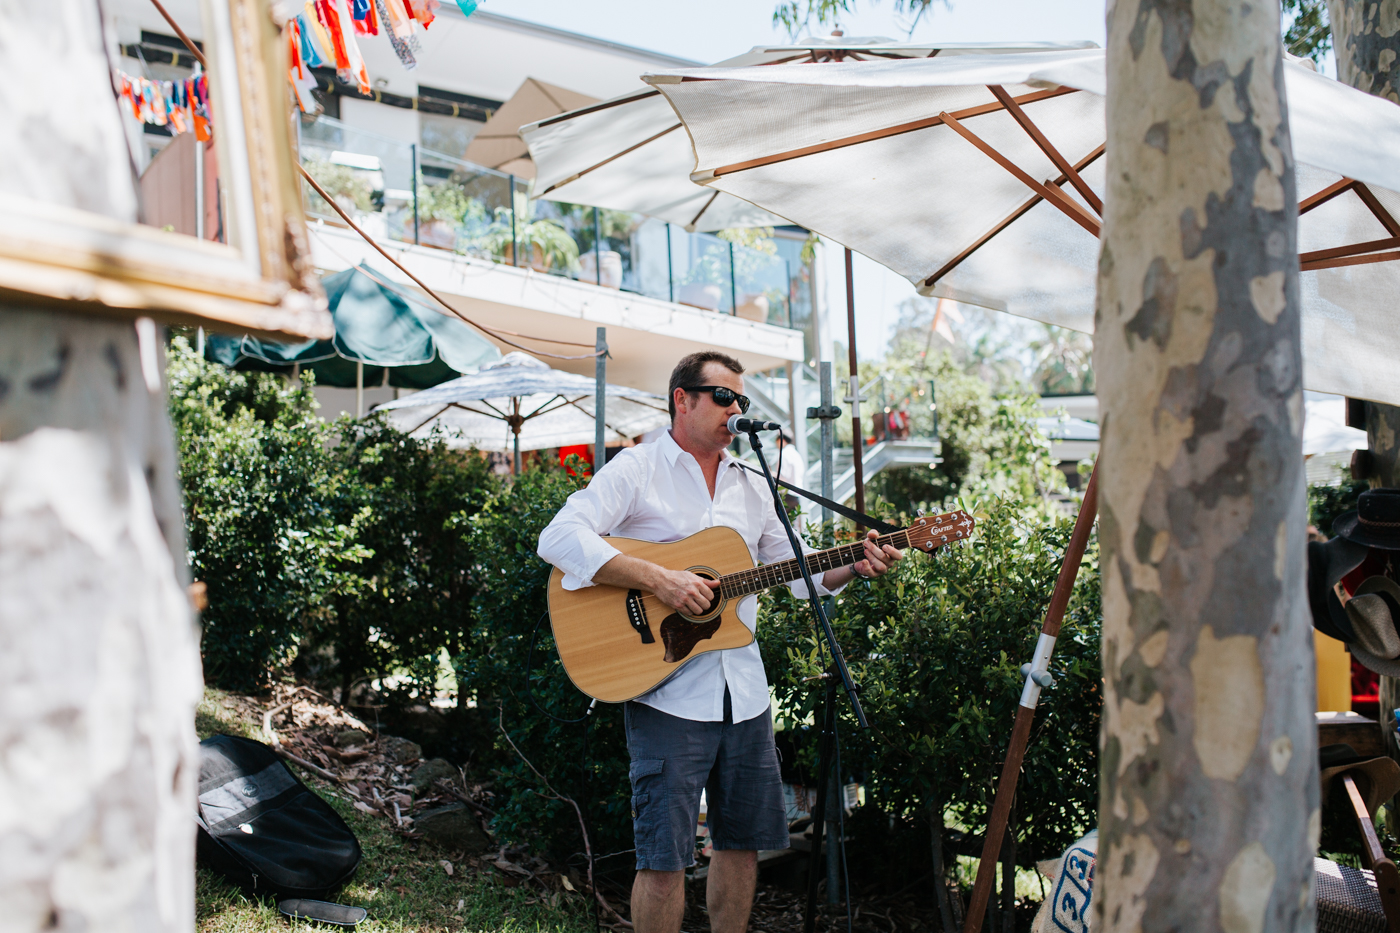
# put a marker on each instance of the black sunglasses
(723, 396)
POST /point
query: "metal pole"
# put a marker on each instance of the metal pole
(835, 797)
(827, 443)
(414, 148)
(733, 287)
(857, 438)
(788, 266)
(670, 268)
(515, 429)
(514, 245)
(597, 250)
(600, 373)
(359, 388)
(933, 407)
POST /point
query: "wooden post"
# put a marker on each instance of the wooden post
(1208, 806)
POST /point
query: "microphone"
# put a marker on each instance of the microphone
(740, 425)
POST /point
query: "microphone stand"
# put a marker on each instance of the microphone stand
(838, 667)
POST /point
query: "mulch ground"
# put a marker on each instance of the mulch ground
(374, 772)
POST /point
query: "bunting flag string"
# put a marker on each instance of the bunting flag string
(327, 32)
(182, 106)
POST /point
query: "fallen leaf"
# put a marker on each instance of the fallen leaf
(504, 865)
(400, 889)
(446, 866)
(361, 805)
(567, 885)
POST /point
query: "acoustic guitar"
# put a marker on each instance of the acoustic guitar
(618, 644)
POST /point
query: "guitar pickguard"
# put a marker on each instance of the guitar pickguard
(680, 635)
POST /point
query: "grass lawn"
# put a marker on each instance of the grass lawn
(403, 883)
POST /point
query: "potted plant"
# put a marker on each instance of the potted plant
(546, 243)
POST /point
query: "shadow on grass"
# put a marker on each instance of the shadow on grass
(401, 882)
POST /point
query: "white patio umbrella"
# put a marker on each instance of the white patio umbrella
(630, 153)
(522, 404)
(979, 178)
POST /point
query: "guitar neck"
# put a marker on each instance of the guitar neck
(767, 576)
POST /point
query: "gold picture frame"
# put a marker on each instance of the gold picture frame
(260, 279)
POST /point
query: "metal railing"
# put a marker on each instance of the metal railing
(401, 191)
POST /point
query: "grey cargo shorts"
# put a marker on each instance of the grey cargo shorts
(673, 759)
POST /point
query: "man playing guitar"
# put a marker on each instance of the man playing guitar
(710, 726)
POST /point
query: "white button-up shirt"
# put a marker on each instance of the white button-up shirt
(656, 492)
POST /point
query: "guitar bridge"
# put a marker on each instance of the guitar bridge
(637, 616)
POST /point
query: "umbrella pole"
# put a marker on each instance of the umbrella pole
(600, 371)
(515, 429)
(359, 388)
(857, 439)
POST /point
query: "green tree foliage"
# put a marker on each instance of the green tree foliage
(508, 609)
(414, 587)
(1325, 503)
(268, 533)
(337, 546)
(1308, 33)
(937, 647)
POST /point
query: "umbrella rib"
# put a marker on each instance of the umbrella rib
(1314, 265)
(488, 405)
(592, 168)
(705, 207)
(435, 414)
(1052, 194)
(605, 105)
(544, 408)
(1326, 194)
(1007, 221)
(1364, 193)
(1354, 249)
(592, 415)
(873, 135)
(1047, 147)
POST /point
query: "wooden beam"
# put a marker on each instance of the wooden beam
(1047, 147)
(1391, 225)
(873, 135)
(1011, 218)
(1366, 260)
(617, 155)
(1354, 249)
(1052, 194)
(1325, 195)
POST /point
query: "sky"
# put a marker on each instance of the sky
(713, 30)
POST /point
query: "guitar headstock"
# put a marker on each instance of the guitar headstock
(927, 533)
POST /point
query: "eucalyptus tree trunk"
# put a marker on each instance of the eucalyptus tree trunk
(1366, 42)
(1208, 810)
(99, 661)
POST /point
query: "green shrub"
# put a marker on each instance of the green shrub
(267, 532)
(411, 497)
(491, 671)
(937, 647)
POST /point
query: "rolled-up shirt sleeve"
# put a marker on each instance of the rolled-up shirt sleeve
(573, 541)
(773, 545)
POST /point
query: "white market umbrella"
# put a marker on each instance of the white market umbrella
(978, 178)
(522, 404)
(631, 153)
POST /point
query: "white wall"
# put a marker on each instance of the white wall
(395, 122)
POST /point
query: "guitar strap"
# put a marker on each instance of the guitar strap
(860, 518)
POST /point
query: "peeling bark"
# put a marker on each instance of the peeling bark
(1208, 781)
(1366, 42)
(99, 661)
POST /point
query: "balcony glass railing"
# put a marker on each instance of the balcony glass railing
(400, 191)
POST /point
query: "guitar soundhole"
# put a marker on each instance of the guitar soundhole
(680, 635)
